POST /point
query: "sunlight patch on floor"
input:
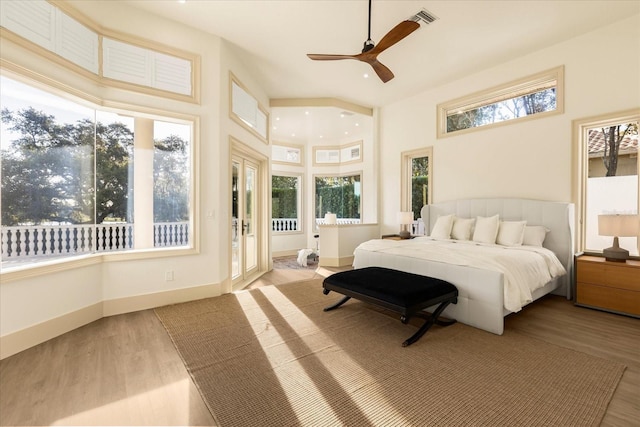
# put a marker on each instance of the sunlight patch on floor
(119, 412)
(352, 375)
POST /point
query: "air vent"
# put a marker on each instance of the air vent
(423, 16)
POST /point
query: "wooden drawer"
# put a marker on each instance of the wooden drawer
(609, 298)
(622, 276)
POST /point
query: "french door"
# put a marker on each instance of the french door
(245, 224)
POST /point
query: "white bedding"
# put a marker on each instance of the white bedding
(524, 268)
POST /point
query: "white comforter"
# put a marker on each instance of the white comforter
(525, 268)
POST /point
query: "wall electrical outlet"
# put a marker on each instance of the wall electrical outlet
(168, 276)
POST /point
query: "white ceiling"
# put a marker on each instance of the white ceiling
(468, 36)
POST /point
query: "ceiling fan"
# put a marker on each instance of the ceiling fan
(370, 50)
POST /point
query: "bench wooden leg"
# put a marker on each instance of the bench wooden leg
(432, 319)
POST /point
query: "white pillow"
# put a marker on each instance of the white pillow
(534, 235)
(486, 229)
(461, 229)
(511, 233)
(442, 227)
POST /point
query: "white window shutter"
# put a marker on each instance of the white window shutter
(171, 73)
(77, 43)
(125, 62)
(33, 20)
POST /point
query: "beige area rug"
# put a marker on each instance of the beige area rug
(272, 357)
(291, 263)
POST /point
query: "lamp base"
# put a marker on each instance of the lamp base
(615, 254)
(404, 234)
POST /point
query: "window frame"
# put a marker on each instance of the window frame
(299, 202)
(285, 146)
(74, 95)
(506, 91)
(338, 175)
(581, 166)
(260, 108)
(406, 193)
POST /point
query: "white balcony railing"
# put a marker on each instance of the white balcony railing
(29, 241)
(291, 224)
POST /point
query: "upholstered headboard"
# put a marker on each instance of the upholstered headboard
(558, 217)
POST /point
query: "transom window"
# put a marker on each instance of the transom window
(533, 96)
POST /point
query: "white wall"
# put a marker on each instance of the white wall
(532, 159)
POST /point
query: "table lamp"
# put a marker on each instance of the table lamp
(617, 225)
(405, 218)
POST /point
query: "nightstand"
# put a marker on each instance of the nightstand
(609, 286)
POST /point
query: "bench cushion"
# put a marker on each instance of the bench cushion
(393, 286)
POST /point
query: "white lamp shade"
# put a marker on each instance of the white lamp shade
(618, 225)
(405, 217)
(330, 218)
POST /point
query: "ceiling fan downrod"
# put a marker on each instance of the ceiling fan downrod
(368, 44)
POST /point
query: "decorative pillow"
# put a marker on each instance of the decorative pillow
(511, 233)
(442, 227)
(461, 229)
(534, 235)
(486, 229)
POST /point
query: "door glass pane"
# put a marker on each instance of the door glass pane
(612, 184)
(235, 231)
(250, 219)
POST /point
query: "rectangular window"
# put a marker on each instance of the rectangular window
(246, 111)
(340, 195)
(68, 184)
(416, 184)
(608, 147)
(286, 203)
(534, 96)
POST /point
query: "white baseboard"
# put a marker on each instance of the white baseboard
(335, 262)
(31, 336)
(284, 253)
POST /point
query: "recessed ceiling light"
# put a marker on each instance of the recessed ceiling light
(182, 1)
(342, 115)
(293, 134)
(357, 124)
(346, 132)
(366, 76)
(320, 136)
(277, 118)
(275, 127)
(306, 113)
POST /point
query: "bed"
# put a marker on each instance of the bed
(486, 286)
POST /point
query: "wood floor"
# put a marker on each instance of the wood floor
(124, 370)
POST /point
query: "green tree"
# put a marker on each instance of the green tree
(613, 136)
(170, 181)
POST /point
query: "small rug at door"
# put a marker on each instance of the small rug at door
(271, 357)
(291, 263)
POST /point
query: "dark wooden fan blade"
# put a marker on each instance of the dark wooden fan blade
(323, 57)
(396, 34)
(381, 70)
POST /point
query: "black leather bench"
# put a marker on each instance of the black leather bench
(402, 292)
